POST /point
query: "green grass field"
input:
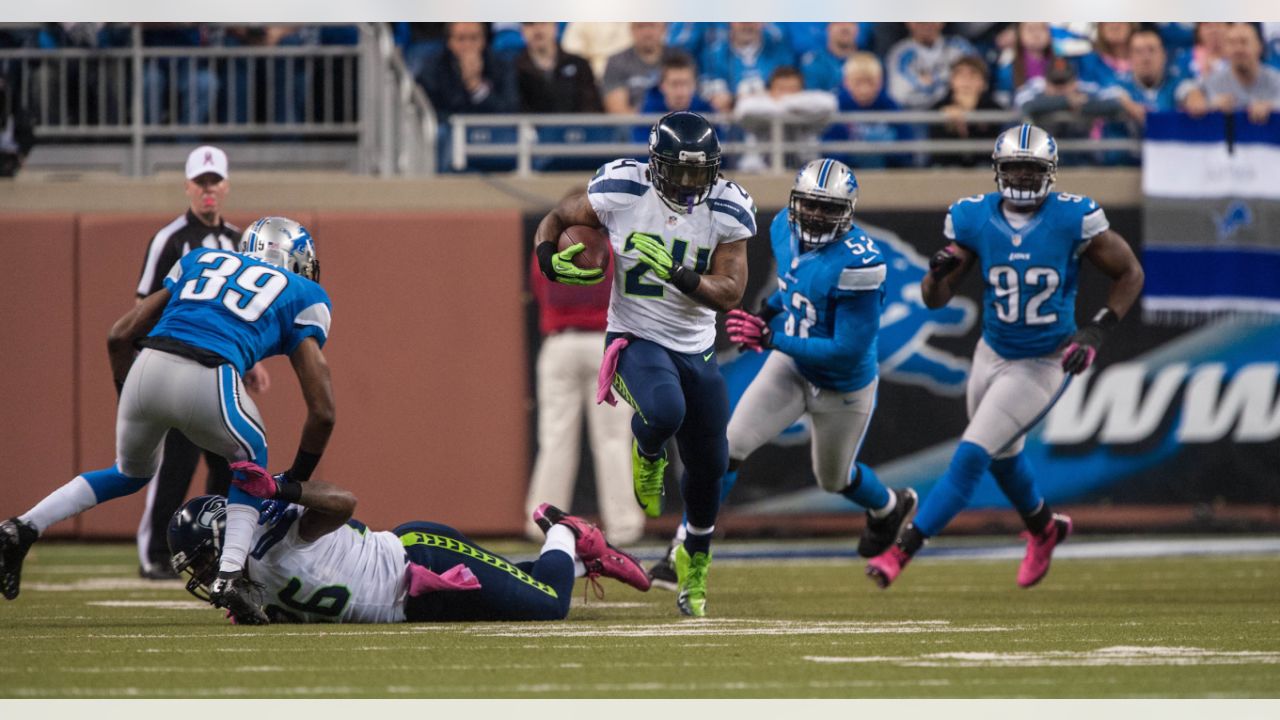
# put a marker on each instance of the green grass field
(85, 626)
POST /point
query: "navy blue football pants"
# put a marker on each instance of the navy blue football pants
(508, 591)
(681, 395)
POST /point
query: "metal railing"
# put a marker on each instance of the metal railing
(357, 99)
(775, 146)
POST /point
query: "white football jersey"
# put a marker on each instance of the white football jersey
(349, 575)
(649, 308)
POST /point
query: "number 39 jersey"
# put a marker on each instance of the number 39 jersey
(241, 308)
(1030, 272)
(642, 304)
(350, 575)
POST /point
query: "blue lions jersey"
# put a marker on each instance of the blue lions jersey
(1030, 272)
(241, 308)
(830, 299)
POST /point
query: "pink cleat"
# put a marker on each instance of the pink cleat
(593, 550)
(1040, 550)
(884, 568)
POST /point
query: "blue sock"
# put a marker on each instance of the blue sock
(555, 568)
(1013, 475)
(726, 484)
(953, 491)
(866, 489)
(110, 483)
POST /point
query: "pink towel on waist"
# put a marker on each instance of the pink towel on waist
(423, 580)
(609, 366)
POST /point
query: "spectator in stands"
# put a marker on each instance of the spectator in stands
(17, 136)
(1030, 56)
(551, 80)
(676, 90)
(806, 37)
(423, 44)
(823, 67)
(694, 38)
(863, 91)
(630, 74)
(1149, 87)
(740, 65)
(969, 91)
(920, 64)
(1208, 53)
(1109, 61)
(194, 85)
(468, 79)
(1067, 107)
(1245, 84)
(807, 112)
(596, 41)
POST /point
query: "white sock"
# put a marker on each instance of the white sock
(561, 538)
(67, 501)
(241, 520)
(681, 533)
(888, 507)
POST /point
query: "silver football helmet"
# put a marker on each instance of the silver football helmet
(1026, 164)
(822, 201)
(284, 243)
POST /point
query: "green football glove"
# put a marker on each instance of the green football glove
(654, 253)
(559, 267)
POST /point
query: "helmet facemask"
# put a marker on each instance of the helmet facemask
(200, 567)
(1024, 181)
(684, 183)
(818, 220)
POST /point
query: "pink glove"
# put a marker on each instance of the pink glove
(747, 330)
(253, 479)
(609, 366)
(423, 580)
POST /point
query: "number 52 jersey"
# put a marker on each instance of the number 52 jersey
(626, 202)
(1030, 272)
(241, 308)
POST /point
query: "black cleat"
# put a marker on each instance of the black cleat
(16, 538)
(663, 573)
(157, 571)
(880, 534)
(235, 593)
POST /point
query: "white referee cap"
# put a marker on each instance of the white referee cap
(206, 159)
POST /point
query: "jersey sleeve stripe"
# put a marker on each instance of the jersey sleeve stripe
(734, 210)
(867, 278)
(315, 315)
(618, 185)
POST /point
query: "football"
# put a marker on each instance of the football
(595, 254)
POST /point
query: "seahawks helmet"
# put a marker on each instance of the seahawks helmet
(822, 200)
(283, 243)
(195, 542)
(684, 159)
(1026, 164)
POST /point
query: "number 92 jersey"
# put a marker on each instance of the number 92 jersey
(241, 308)
(626, 202)
(1030, 273)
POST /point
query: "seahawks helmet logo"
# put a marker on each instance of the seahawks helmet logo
(211, 513)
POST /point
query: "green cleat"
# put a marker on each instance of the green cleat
(691, 573)
(646, 480)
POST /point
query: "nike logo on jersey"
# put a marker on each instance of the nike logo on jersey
(867, 260)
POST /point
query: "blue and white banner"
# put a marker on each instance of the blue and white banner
(1211, 223)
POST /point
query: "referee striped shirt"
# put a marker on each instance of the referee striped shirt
(176, 239)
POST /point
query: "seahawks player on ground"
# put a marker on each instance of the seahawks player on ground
(310, 562)
(1029, 241)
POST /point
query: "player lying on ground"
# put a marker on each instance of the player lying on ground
(218, 315)
(1029, 241)
(823, 320)
(311, 562)
(676, 228)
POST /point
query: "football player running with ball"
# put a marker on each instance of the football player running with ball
(676, 228)
(823, 320)
(1029, 241)
(218, 314)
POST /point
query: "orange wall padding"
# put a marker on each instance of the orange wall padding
(427, 353)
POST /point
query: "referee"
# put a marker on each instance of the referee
(202, 225)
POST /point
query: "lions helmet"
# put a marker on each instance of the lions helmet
(822, 200)
(1025, 160)
(684, 159)
(283, 243)
(195, 541)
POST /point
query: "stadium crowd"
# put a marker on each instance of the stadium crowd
(1079, 80)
